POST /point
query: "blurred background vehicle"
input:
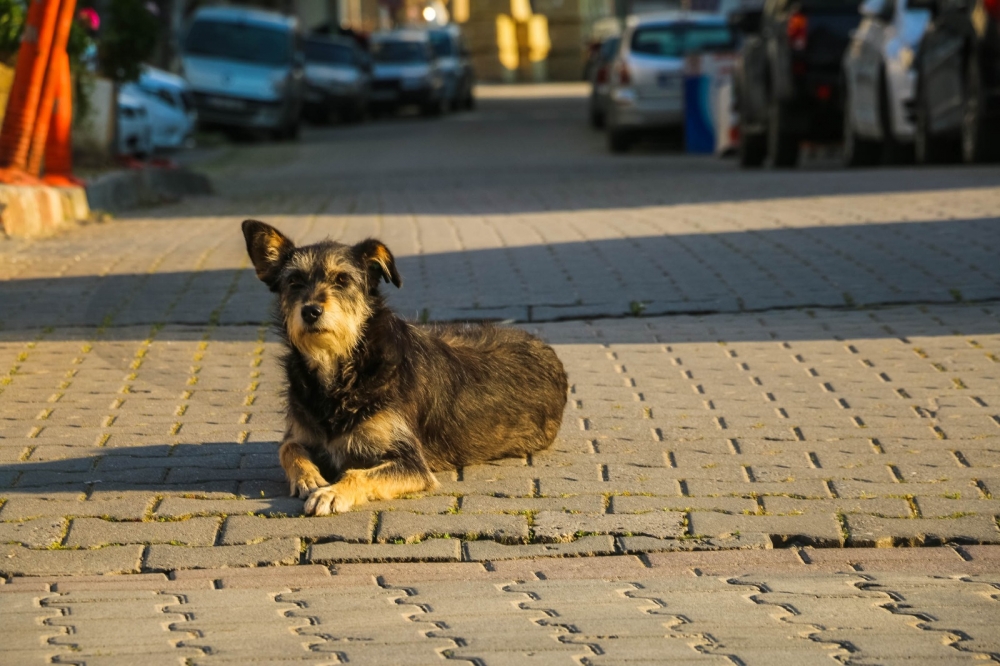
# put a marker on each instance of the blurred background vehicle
(405, 72)
(879, 83)
(647, 75)
(338, 79)
(169, 103)
(452, 59)
(789, 76)
(135, 131)
(600, 80)
(245, 69)
(958, 82)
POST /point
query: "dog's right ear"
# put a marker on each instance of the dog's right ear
(268, 248)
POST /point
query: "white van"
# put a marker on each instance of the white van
(246, 69)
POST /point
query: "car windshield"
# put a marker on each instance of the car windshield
(326, 52)
(442, 44)
(239, 41)
(399, 52)
(677, 40)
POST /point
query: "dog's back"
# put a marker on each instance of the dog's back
(485, 392)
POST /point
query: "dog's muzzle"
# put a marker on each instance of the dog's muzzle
(311, 313)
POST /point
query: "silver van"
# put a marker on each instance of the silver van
(245, 69)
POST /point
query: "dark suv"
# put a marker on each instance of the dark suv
(788, 79)
(957, 104)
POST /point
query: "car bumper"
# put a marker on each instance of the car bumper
(236, 112)
(401, 96)
(631, 111)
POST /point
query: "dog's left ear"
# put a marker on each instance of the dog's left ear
(268, 248)
(376, 256)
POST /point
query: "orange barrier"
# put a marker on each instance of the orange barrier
(53, 74)
(26, 91)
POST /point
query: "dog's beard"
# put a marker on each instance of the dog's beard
(331, 339)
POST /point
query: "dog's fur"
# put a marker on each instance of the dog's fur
(377, 404)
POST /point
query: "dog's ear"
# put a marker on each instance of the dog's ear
(376, 256)
(268, 248)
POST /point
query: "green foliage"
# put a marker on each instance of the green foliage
(128, 37)
(12, 13)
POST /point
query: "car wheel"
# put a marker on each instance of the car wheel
(928, 147)
(596, 118)
(752, 150)
(470, 101)
(857, 151)
(432, 108)
(782, 145)
(619, 140)
(980, 141)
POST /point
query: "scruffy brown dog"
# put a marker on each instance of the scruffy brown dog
(377, 404)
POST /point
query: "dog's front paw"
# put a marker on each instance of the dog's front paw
(306, 482)
(332, 499)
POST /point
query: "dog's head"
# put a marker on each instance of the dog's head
(326, 292)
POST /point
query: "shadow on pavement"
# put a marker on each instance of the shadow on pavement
(754, 271)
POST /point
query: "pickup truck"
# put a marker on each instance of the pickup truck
(788, 77)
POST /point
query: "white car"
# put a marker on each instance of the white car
(647, 74)
(880, 82)
(135, 131)
(170, 104)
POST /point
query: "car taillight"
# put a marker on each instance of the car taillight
(992, 8)
(624, 76)
(602, 74)
(798, 29)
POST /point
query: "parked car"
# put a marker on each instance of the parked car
(958, 82)
(455, 66)
(245, 69)
(338, 79)
(647, 75)
(600, 76)
(135, 131)
(879, 82)
(789, 76)
(405, 72)
(170, 105)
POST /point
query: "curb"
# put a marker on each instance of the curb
(122, 190)
(30, 211)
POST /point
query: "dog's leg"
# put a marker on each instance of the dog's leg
(303, 475)
(404, 471)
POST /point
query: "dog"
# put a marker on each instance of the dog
(377, 404)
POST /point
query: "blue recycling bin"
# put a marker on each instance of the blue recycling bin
(699, 129)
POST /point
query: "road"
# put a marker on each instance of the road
(774, 377)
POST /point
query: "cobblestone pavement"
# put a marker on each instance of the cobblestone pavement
(139, 405)
(770, 608)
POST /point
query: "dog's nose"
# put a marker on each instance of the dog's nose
(310, 313)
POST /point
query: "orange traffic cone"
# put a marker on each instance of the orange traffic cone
(53, 75)
(26, 91)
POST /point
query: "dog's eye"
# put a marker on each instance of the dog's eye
(341, 280)
(295, 285)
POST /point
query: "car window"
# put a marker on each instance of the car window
(400, 52)
(326, 52)
(239, 41)
(677, 40)
(442, 44)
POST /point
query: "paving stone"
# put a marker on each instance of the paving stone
(21, 561)
(353, 526)
(20, 508)
(163, 557)
(583, 546)
(36, 533)
(178, 507)
(882, 532)
(812, 529)
(89, 532)
(557, 526)
(409, 527)
(429, 550)
(643, 544)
